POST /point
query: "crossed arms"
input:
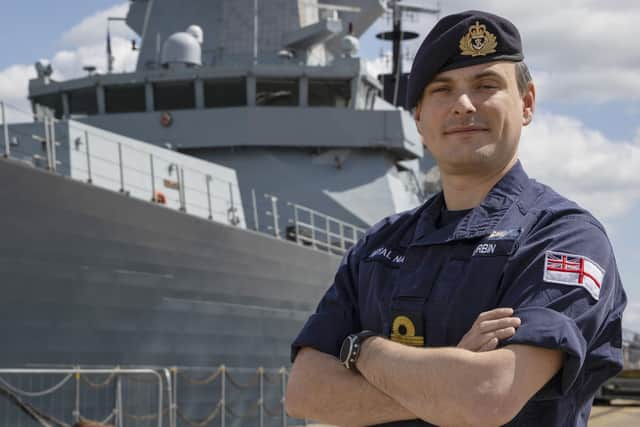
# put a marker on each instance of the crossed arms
(474, 384)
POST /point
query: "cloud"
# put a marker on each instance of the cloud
(14, 83)
(68, 63)
(93, 29)
(579, 50)
(583, 164)
(87, 46)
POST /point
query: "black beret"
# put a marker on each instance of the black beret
(461, 40)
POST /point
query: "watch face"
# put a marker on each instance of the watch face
(345, 349)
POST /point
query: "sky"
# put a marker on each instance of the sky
(584, 140)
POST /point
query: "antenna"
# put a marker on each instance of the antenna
(397, 35)
(110, 57)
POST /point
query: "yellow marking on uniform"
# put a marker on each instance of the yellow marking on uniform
(409, 336)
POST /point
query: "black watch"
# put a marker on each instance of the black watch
(351, 346)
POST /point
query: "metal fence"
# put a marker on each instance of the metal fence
(134, 397)
(59, 397)
(153, 174)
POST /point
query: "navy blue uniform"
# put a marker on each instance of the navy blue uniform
(421, 282)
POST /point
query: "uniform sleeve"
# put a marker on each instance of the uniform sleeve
(564, 285)
(337, 314)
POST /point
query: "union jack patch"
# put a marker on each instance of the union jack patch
(573, 270)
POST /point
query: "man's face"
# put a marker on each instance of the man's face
(471, 118)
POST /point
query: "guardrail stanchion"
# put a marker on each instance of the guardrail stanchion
(274, 213)
(255, 209)
(52, 133)
(208, 182)
(153, 178)
(5, 126)
(86, 146)
(182, 188)
(121, 167)
(47, 141)
(283, 371)
(261, 399)
(223, 392)
(76, 411)
(175, 396)
(296, 223)
(313, 229)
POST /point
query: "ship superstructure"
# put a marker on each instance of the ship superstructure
(275, 91)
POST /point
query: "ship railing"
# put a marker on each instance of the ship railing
(37, 150)
(104, 160)
(308, 227)
(324, 232)
(159, 179)
(121, 164)
(74, 393)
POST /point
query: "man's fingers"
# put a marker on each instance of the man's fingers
(503, 334)
(496, 313)
(493, 325)
(490, 341)
(489, 345)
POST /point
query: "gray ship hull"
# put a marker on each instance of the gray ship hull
(93, 277)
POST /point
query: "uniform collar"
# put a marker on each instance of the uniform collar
(481, 220)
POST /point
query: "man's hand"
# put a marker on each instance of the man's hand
(489, 328)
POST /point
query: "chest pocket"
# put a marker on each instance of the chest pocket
(473, 286)
(378, 273)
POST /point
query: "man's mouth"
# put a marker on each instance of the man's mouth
(465, 129)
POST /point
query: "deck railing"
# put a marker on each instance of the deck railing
(159, 176)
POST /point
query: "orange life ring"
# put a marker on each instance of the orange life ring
(160, 198)
(166, 119)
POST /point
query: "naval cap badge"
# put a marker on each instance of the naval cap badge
(478, 41)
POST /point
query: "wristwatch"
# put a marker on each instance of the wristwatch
(350, 350)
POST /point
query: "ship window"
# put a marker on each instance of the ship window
(277, 92)
(329, 93)
(53, 101)
(174, 96)
(125, 98)
(225, 93)
(83, 101)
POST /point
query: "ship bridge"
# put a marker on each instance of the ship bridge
(275, 90)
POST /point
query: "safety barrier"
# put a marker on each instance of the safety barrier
(151, 173)
(252, 404)
(71, 403)
(135, 397)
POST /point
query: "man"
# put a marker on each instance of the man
(407, 293)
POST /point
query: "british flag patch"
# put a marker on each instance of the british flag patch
(573, 270)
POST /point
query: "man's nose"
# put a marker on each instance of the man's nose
(463, 105)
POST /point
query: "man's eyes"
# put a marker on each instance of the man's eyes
(489, 85)
(439, 89)
(481, 85)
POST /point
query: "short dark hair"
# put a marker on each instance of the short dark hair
(523, 77)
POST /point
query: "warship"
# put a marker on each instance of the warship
(192, 212)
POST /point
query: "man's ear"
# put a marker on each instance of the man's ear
(528, 104)
(416, 116)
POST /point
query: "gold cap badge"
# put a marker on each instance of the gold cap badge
(478, 41)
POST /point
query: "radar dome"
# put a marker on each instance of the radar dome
(196, 31)
(182, 48)
(350, 46)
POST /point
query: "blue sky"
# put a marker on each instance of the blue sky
(581, 52)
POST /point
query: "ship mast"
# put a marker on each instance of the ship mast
(397, 35)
